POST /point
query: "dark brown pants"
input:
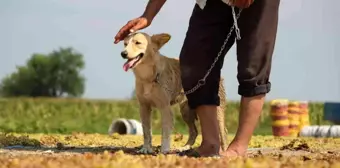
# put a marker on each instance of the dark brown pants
(208, 28)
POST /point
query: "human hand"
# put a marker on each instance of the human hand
(132, 26)
(241, 3)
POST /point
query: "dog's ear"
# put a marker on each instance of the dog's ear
(160, 39)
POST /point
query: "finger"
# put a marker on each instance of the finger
(246, 3)
(121, 36)
(124, 31)
(137, 27)
(250, 2)
(240, 3)
(121, 33)
(117, 41)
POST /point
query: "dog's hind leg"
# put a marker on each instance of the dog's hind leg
(189, 116)
(167, 126)
(145, 114)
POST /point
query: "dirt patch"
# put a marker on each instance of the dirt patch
(93, 150)
(109, 157)
(296, 145)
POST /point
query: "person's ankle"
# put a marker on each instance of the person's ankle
(207, 115)
(239, 147)
(209, 148)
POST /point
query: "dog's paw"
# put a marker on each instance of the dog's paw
(145, 150)
(184, 148)
(165, 151)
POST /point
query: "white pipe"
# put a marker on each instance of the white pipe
(320, 131)
(126, 126)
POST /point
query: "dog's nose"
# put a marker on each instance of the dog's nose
(123, 54)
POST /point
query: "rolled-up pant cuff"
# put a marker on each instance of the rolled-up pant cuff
(198, 101)
(254, 91)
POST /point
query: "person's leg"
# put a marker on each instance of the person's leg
(258, 27)
(207, 31)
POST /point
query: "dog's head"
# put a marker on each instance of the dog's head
(141, 48)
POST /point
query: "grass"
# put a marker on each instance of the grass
(64, 116)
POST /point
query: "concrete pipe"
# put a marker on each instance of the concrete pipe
(126, 126)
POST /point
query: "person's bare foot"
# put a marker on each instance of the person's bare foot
(235, 150)
(200, 152)
(210, 151)
(210, 144)
(231, 153)
(250, 111)
(206, 150)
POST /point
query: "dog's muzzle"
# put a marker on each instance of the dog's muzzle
(124, 54)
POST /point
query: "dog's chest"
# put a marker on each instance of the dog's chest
(153, 94)
(147, 91)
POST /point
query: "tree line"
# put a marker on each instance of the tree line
(55, 74)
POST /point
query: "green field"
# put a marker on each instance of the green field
(64, 116)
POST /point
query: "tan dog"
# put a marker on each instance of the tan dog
(153, 72)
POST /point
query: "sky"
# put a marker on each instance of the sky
(304, 61)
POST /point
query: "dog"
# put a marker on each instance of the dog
(154, 71)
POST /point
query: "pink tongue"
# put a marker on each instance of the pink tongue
(128, 65)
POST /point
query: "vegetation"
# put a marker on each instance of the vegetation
(56, 74)
(66, 115)
(56, 77)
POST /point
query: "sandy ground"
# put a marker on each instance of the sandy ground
(252, 152)
(92, 150)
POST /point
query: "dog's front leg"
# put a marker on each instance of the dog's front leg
(167, 126)
(145, 114)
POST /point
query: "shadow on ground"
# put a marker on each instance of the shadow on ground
(70, 150)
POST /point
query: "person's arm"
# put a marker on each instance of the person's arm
(152, 8)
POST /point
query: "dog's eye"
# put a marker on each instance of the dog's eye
(137, 42)
(125, 44)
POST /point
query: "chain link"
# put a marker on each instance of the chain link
(201, 82)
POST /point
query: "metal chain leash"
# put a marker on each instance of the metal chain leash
(201, 82)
